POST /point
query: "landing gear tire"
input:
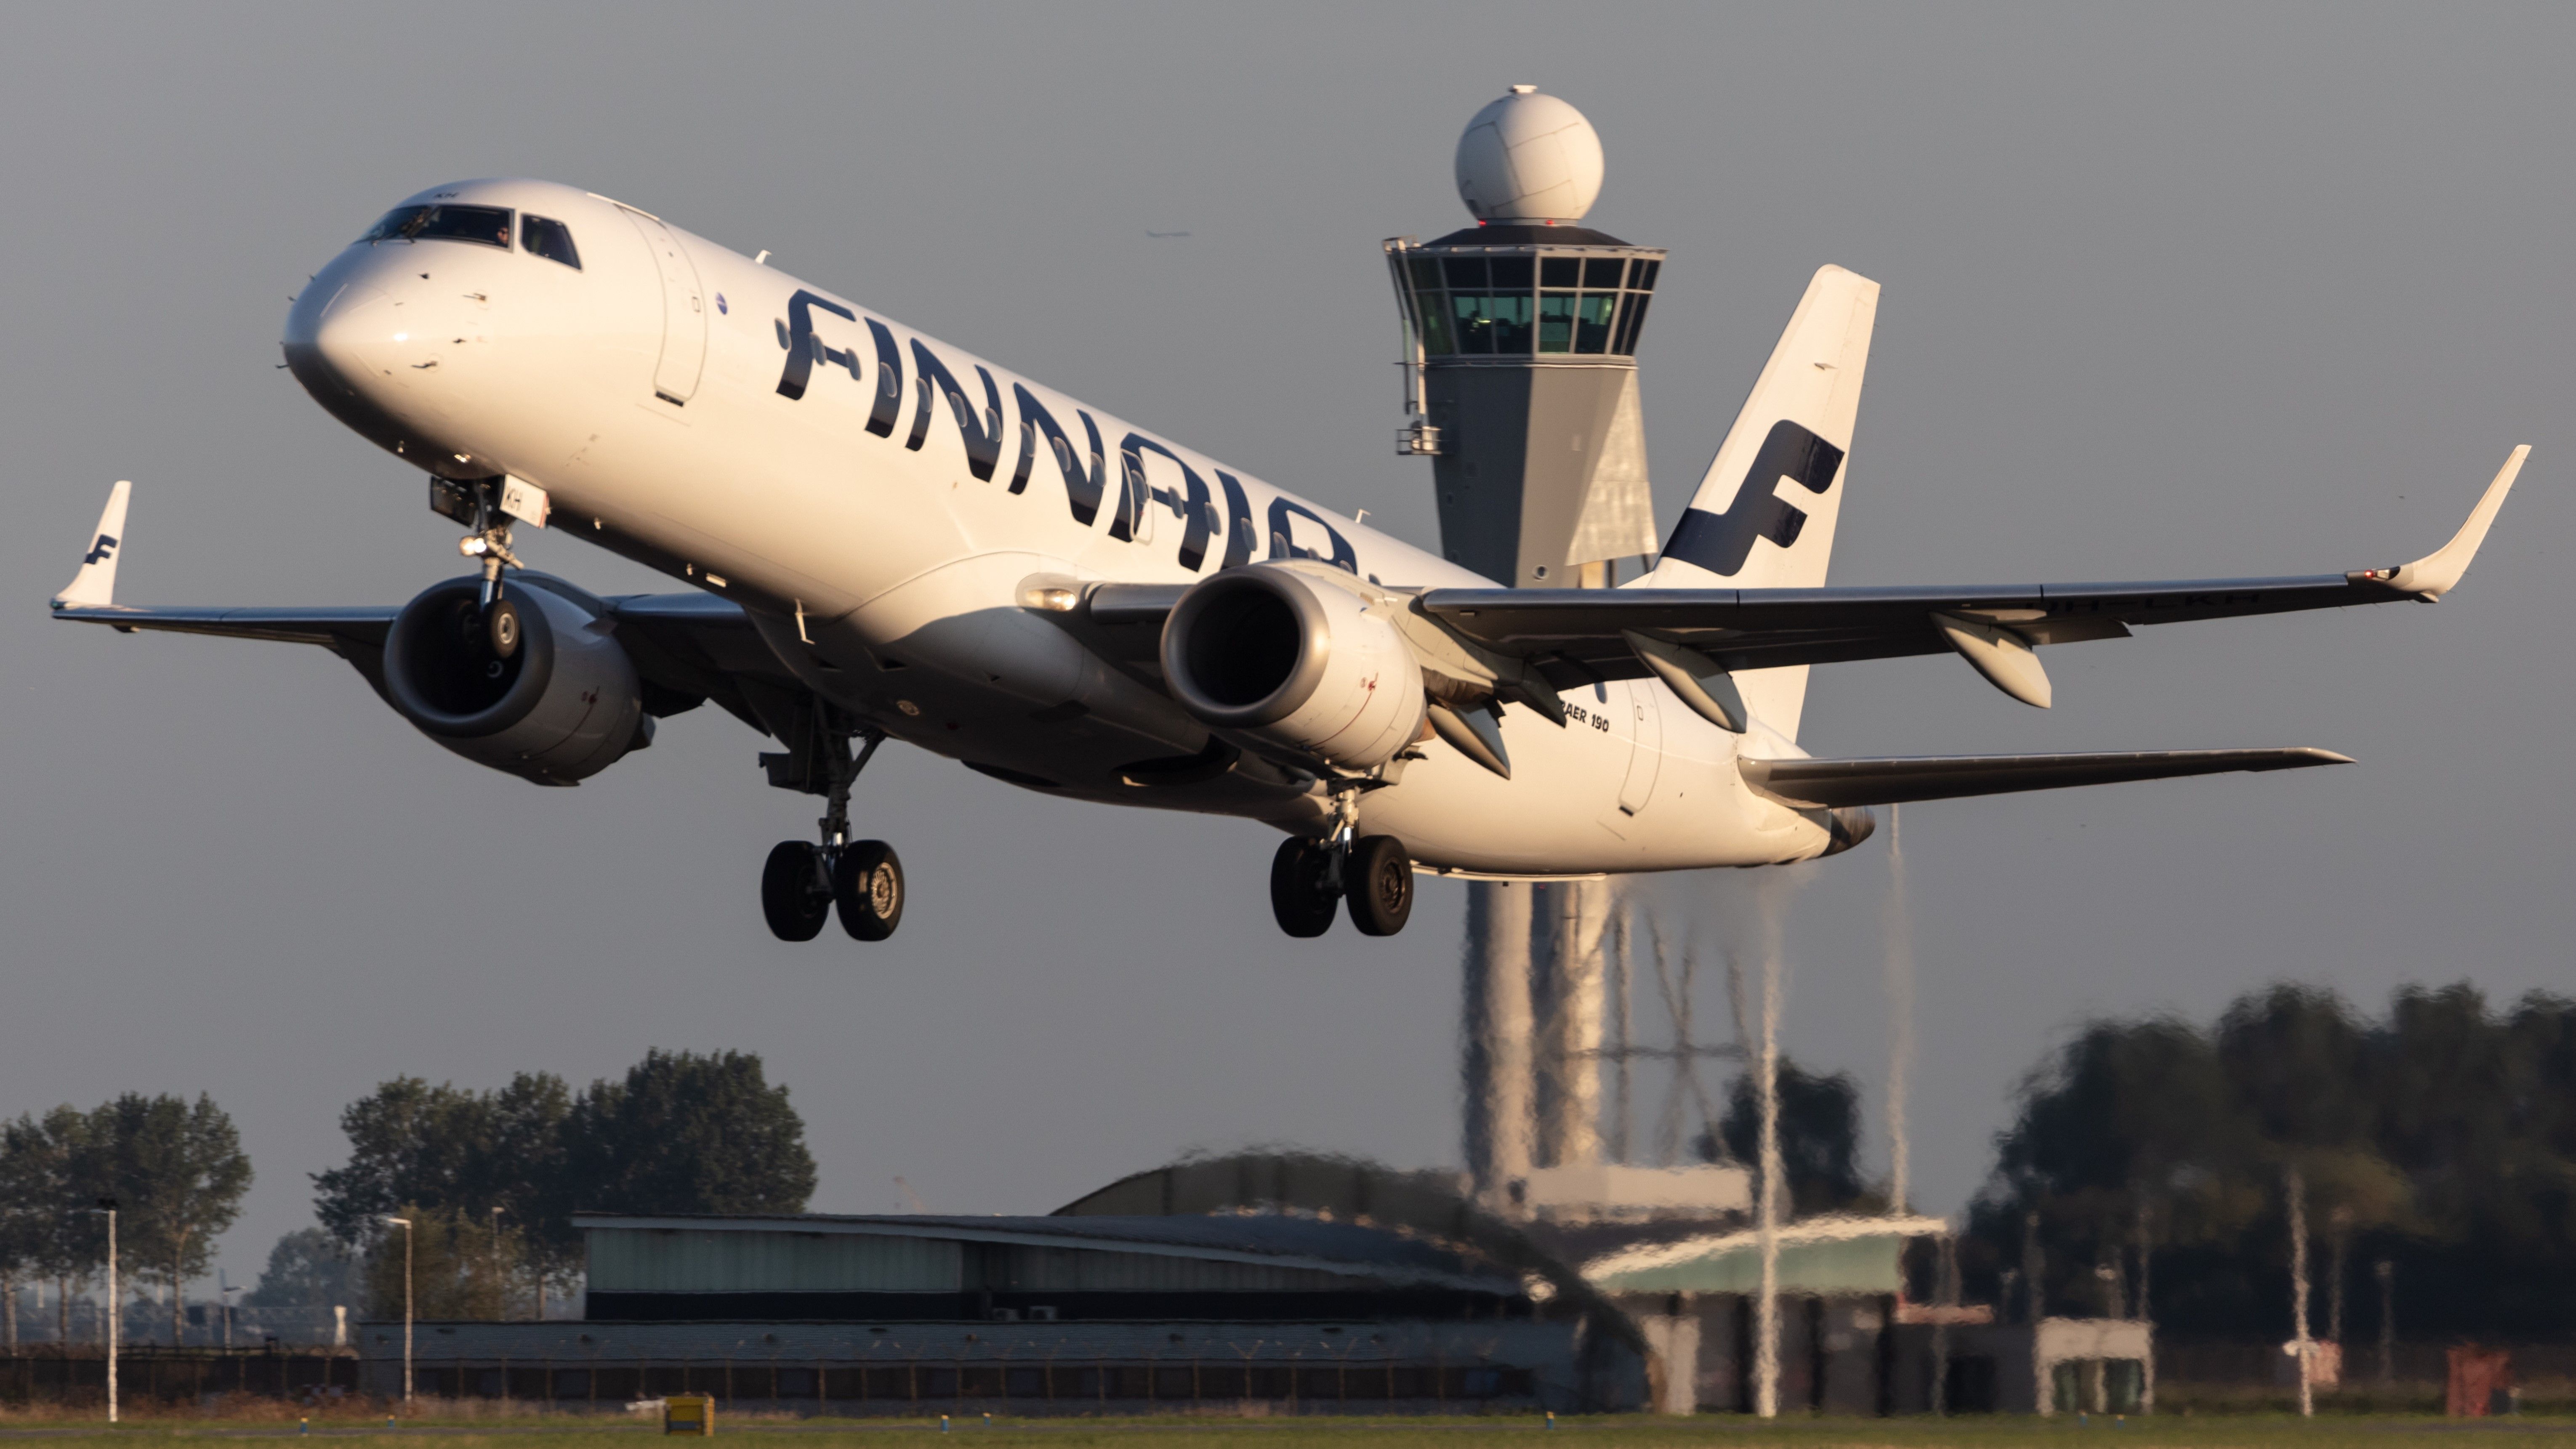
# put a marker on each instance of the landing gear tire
(1301, 895)
(1379, 879)
(791, 891)
(502, 628)
(867, 885)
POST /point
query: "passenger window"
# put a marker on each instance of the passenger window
(543, 236)
(488, 225)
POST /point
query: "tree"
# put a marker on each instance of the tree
(1819, 1135)
(309, 1268)
(178, 1174)
(680, 1133)
(51, 1180)
(2442, 1137)
(685, 1133)
(409, 1144)
(457, 1272)
(531, 1179)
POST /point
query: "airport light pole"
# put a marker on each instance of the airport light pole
(115, 1320)
(500, 1295)
(405, 1225)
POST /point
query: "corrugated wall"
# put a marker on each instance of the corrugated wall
(655, 1260)
(660, 1260)
(1075, 1270)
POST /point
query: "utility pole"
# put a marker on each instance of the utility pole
(405, 1225)
(500, 1295)
(115, 1319)
(2386, 1272)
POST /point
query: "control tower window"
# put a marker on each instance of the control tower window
(489, 225)
(1430, 307)
(1632, 320)
(1592, 331)
(543, 236)
(1560, 271)
(1512, 307)
(1602, 273)
(1556, 315)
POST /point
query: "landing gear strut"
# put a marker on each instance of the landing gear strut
(1370, 873)
(477, 505)
(802, 883)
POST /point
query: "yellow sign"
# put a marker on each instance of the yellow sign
(689, 1414)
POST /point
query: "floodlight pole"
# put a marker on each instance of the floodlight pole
(1766, 1308)
(2298, 1195)
(107, 1208)
(405, 1225)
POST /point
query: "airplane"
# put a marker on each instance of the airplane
(885, 537)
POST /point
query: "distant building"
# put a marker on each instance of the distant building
(919, 1314)
(1297, 1283)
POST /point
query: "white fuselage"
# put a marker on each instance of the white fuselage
(648, 392)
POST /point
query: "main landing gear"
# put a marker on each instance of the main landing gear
(802, 884)
(1369, 873)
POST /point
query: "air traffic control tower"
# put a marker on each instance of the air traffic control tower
(1520, 372)
(1521, 377)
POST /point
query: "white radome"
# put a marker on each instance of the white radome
(1529, 158)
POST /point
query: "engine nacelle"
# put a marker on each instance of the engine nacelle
(566, 706)
(1268, 650)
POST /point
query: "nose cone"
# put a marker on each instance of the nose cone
(332, 343)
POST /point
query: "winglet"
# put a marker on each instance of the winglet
(2436, 574)
(94, 587)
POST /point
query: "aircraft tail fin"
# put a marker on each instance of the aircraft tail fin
(1765, 512)
(94, 587)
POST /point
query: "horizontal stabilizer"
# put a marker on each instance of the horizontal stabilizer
(1832, 783)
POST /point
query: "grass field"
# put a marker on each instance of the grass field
(2247, 1431)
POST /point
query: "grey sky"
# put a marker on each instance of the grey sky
(2169, 292)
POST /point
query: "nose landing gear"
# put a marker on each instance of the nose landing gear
(477, 504)
(802, 884)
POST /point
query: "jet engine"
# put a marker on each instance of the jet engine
(564, 706)
(1302, 660)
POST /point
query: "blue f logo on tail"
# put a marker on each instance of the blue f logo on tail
(1720, 542)
(102, 550)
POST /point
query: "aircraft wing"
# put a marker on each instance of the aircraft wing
(1576, 636)
(1895, 781)
(687, 648)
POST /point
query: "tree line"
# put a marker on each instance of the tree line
(490, 1180)
(174, 1170)
(2151, 1160)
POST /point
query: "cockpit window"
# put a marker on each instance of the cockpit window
(543, 236)
(489, 225)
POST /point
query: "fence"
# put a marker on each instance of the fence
(854, 1389)
(175, 1375)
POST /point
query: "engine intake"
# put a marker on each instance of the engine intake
(1272, 652)
(566, 706)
